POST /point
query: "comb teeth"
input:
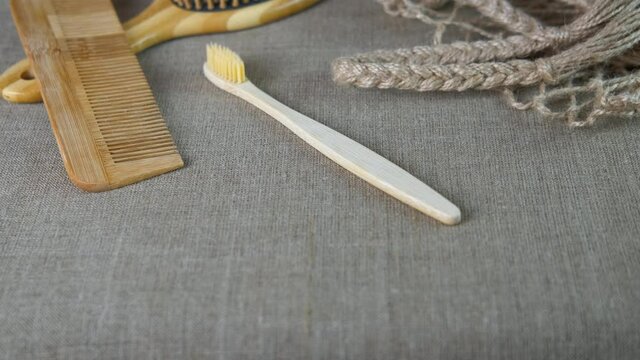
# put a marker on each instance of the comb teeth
(215, 5)
(129, 123)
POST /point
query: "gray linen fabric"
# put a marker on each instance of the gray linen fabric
(260, 248)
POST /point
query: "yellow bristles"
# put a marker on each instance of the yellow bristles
(225, 63)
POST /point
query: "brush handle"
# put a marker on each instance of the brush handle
(160, 22)
(351, 155)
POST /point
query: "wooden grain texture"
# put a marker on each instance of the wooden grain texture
(105, 119)
(162, 21)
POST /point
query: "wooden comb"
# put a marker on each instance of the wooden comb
(105, 119)
(165, 20)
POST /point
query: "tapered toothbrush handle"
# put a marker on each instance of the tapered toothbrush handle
(355, 157)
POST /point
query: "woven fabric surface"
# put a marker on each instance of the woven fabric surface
(261, 248)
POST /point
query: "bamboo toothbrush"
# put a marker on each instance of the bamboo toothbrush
(227, 71)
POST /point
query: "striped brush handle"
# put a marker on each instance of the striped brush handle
(215, 5)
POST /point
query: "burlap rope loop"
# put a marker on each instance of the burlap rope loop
(583, 55)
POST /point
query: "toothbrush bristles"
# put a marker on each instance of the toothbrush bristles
(225, 63)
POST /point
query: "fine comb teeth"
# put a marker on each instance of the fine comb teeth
(215, 5)
(129, 123)
(108, 126)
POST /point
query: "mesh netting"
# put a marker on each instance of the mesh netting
(575, 60)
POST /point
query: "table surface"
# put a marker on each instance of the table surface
(262, 248)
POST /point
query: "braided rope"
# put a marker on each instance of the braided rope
(605, 36)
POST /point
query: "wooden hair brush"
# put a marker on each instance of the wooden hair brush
(164, 20)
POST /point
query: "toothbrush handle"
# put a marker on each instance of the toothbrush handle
(355, 157)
